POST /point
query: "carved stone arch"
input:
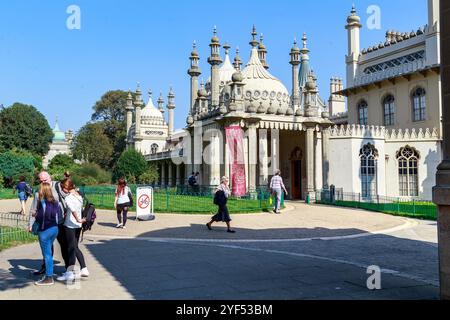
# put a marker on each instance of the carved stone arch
(408, 152)
(368, 150)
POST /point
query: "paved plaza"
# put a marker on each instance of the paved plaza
(308, 252)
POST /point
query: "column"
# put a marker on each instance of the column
(163, 174)
(178, 175)
(310, 160)
(252, 157)
(318, 170)
(263, 158)
(326, 158)
(214, 159)
(198, 151)
(227, 159)
(170, 175)
(441, 193)
(275, 139)
(189, 156)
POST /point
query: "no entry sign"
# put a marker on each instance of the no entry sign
(144, 208)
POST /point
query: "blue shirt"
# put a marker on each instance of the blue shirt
(21, 186)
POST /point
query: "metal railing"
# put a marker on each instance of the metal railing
(414, 208)
(14, 230)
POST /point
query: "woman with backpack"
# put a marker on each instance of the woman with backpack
(220, 199)
(73, 227)
(23, 191)
(47, 218)
(122, 202)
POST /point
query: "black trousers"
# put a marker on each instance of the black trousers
(73, 252)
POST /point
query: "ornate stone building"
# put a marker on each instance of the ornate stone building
(60, 144)
(394, 108)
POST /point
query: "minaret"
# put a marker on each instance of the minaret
(305, 68)
(353, 26)
(171, 108)
(161, 103)
(214, 60)
(194, 72)
(139, 103)
(129, 110)
(262, 53)
(237, 60)
(295, 62)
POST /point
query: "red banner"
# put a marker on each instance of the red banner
(235, 141)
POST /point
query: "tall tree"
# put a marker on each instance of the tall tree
(91, 144)
(24, 127)
(110, 111)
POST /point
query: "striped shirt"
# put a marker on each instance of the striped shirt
(277, 183)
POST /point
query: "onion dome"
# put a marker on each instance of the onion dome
(150, 114)
(58, 135)
(215, 38)
(354, 18)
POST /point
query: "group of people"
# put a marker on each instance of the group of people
(56, 214)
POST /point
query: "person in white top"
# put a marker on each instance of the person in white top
(122, 202)
(73, 226)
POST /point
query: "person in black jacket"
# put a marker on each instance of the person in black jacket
(220, 199)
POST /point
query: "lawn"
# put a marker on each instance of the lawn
(11, 237)
(417, 210)
(6, 194)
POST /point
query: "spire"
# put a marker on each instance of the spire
(139, 101)
(237, 60)
(227, 47)
(305, 49)
(171, 99)
(254, 42)
(305, 69)
(161, 102)
(262, 52)
(56, 125)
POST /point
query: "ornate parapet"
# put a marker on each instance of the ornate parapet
(378, 132)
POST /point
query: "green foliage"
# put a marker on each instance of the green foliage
(92, 145)
(14, 164)
(131, 164)
(62, 160)
(150, 176)
(2, 181)
(90, 174)
(24, 127)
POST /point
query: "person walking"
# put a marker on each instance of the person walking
(58, 195)
(220, 199)
(23, 191)
(73, 224)
(276, 188)
(47, 217)
(122, 202)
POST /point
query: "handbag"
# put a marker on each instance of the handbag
(35, 228)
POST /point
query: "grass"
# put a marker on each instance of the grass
(417, 210)
(6, 194)
(11, 237)
(185, 204)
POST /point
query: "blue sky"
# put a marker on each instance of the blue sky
(64, 72)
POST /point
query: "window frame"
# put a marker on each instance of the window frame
(369, 169)
(419, 104)
(408, 171)
(363, 107)
(389, 110)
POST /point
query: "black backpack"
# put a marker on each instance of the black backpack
(191, 181)
(90, 215)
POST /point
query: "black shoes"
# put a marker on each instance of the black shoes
(231, 231)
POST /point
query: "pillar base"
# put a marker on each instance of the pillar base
(441, 196)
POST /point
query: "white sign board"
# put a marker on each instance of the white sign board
(144, 203)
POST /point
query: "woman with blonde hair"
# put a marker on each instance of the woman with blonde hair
(220, 199)
(47, 219)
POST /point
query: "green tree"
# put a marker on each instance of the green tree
(24, 127)
(92, 145)
(14, 164)
(110, 111)
(131, 164)
(61, 160)
(90, 174)
(150, 176)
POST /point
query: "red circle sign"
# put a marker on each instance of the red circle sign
(144, 201)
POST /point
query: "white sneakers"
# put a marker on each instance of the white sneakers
(71, 276)
(119, 226)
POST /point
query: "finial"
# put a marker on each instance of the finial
(215, 30)
(261, 37)
(254, 42)
(353, 9)
(305, 40)
(150, 94)
(226, 46)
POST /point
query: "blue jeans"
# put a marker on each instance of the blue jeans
(46, 239)
(277, 193)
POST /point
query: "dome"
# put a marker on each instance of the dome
(353, 18)
(58, 135)
(261, 86)
(226, 72)
(150, 114)
(237, 77)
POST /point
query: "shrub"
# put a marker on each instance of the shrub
(62, 161)
(2, 181)
(150, 176)
(130, 164)
(14, 164)
(90, 174)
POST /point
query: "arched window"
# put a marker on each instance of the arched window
(408, 171)
(389, 110)
(362, 113)
(154, 148)
(368, 156)
(419, 103)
